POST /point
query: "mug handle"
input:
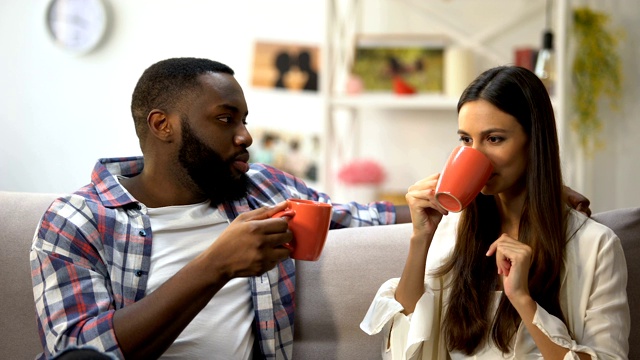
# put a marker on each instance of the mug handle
(290, 213)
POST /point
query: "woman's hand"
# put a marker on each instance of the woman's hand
(513, 259)
(426, 213)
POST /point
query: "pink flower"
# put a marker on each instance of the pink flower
(362, 171)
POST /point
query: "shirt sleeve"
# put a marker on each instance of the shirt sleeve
(606, 321)
(354, 214)
(70, 283)
(273, 185)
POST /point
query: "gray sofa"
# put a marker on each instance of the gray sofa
(332, 296)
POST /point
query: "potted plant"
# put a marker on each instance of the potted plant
(596, 72)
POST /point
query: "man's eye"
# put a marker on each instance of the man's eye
(226, 119)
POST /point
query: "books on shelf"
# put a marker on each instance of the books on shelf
(526, 57)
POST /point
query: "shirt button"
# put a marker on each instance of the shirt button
(142, 233)
(139, 273)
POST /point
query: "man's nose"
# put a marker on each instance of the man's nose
(243, 137)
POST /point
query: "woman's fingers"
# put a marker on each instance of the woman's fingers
(513, 260)
(422, 194)
(508, 251)
(426, 213)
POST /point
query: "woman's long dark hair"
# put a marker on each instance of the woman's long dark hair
(468, 319)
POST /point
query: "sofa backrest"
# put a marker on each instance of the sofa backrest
(19, 217)
(333, 293)
(626, 224)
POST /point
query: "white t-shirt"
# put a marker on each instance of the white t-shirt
(223, 329)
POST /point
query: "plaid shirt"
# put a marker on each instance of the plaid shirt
(92, 252)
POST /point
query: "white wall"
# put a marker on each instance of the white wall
(614, 173)
(59, 112)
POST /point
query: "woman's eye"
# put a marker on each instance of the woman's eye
(465, 139)
(494, 139)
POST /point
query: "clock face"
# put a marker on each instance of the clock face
(77, 25)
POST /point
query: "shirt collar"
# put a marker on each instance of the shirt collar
(103, 177)
(113, 194)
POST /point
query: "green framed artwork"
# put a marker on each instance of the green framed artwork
(417, 60)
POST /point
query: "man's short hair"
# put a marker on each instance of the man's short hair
(167, 85)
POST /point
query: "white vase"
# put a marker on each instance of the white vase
(362, 193)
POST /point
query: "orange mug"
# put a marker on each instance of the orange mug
(464, 175)
(309, 224)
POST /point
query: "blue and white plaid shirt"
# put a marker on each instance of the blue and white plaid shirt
(91, 256)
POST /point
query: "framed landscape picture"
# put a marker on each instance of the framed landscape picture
(418, 60)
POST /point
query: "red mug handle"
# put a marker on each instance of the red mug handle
(290, 213)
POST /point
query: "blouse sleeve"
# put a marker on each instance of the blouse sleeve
(406, 337)
(416, 336)
(606, 321)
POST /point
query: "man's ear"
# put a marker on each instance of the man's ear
(160, 125)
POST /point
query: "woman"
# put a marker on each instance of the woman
(517, 274)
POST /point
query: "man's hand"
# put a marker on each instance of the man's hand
(576, 200)
(252, 244)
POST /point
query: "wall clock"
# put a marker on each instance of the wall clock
(77, 26)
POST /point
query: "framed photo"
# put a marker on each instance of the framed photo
(417, 60)
(286, 66)
(294, 152)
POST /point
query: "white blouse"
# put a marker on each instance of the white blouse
(593, 298)
(489, 351)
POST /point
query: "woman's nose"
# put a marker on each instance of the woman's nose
(477, 146)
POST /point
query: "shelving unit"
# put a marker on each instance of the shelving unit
(390, 101)
(346, 20)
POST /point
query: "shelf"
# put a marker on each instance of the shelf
(393, 101)
(491, 37)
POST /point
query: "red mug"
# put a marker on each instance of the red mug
(309, 224)
(464, 175)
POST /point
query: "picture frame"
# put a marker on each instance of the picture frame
(381, 61)
(297, 153)
(286, 66)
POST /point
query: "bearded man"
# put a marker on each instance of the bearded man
(175, 254)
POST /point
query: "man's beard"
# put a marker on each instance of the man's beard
(208, 170)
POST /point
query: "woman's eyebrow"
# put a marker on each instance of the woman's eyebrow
(484, 132)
